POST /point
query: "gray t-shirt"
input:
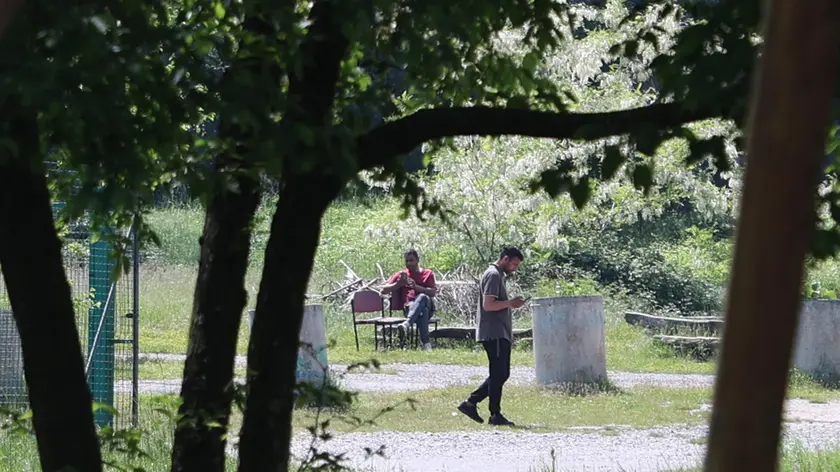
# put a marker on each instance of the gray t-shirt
(493, 324)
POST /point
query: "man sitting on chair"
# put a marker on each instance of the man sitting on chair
(417, 287)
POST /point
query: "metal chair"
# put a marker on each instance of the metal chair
(396, 302)
(370, 301)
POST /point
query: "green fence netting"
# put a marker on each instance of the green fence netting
(106, 323)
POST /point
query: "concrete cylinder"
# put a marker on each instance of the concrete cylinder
(569, 340)
(817, 343)
(13, 393)
(312, 366)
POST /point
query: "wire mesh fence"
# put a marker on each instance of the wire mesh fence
(106, 323)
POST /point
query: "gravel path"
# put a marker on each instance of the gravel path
(656, 449)
(612, 448)
(506, 451)
(414, 377)
(411, 377)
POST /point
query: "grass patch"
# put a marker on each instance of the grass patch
(532, 408)
(166, 297)
(795, 458)
(538, 409)
(806, 387)
(19, 453)
(154, 369)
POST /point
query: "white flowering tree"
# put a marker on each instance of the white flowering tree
(485, 184)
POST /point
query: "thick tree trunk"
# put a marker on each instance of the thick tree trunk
(787, 133)
(31, 261)
(272, 355)
(220, 297)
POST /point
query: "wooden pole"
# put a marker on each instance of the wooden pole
(787, 131)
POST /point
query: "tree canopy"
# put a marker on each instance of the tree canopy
(115, 96)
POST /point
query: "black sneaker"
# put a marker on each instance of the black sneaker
(499, 420)
(471, 411)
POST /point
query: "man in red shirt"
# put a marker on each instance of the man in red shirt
(417, 288)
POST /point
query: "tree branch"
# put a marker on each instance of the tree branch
(401, 136)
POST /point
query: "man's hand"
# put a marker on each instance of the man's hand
(517, 302)
(410, 283)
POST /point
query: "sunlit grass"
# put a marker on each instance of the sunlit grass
(534, 409)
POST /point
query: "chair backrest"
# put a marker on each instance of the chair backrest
(367, 301)
(397, 302)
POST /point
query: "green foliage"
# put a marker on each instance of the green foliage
(628, 218)
(567, 288)
(675, 258)
(822, 280)
(124, 449)
(672, 271)
(179, 229)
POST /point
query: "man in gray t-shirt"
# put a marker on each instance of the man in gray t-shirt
(495, 333)
(493, 324)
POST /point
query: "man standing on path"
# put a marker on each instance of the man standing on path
(495, 333)
(417, 288)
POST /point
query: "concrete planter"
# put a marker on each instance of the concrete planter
(817, 343)
(312, 366)
(569, 340)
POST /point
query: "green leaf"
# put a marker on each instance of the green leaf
(699, 149)
(612, 162)
(824, 243)
(647, 139)
(531, 61)
(580, 192)
(643, 177)
(834, 209)
(553, 181)
(219, 10)
(363, 82)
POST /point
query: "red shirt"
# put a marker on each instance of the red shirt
(423, 278)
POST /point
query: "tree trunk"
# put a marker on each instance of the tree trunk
(220, 297)
(787, 133)
(272, 355)
(31, 260)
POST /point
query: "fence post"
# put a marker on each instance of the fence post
(135, 329)
(101, 374)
